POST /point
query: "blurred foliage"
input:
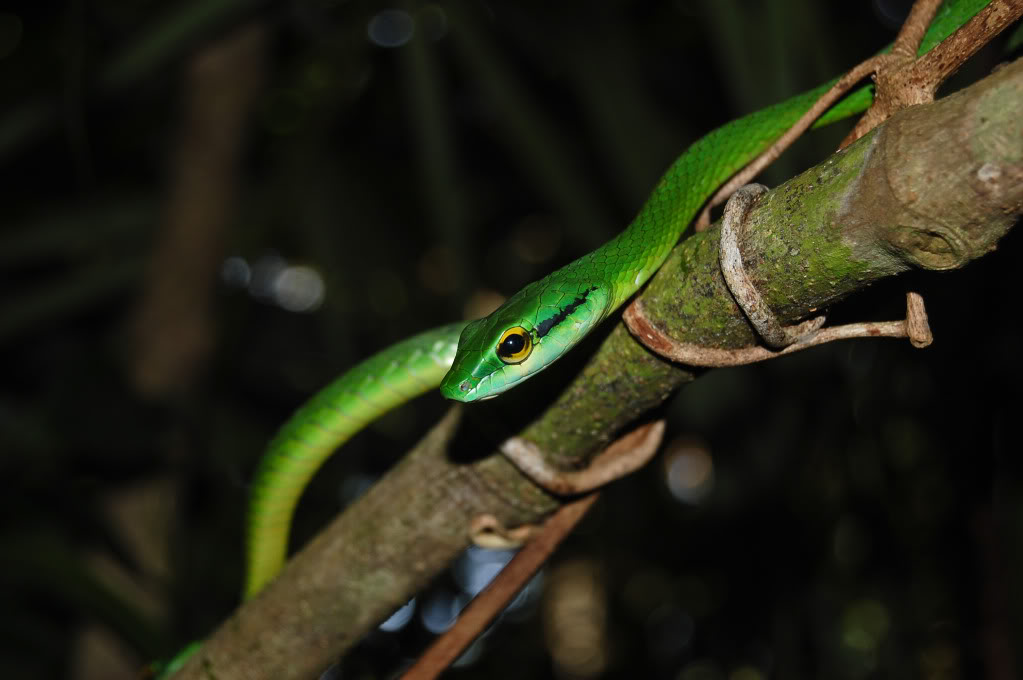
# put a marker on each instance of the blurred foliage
(864, 517)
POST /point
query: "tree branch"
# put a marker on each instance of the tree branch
(935, 188)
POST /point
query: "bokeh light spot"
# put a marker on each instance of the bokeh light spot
(941, 659)
(481, 303)
(575, 619)
(400, 618)
(441, 609)
(688, 471)
(746, 673)
(235, 272)
(669, 632)
(299, 289)
(865, 624)
(264, 273)
(438, 270)
(390, 28)
(477, 567)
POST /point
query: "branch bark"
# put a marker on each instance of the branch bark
(934, 188)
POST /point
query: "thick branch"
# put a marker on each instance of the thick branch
(933, 188)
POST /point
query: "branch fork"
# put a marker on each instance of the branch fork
(902, 80)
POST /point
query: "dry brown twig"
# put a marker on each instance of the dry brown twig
(446, 649)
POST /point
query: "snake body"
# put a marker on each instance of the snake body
(532, 328)
(373, 387)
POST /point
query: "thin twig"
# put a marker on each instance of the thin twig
(904, 81)
(642, 328)
(485, 606)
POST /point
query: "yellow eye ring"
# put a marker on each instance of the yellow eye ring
(514, 346)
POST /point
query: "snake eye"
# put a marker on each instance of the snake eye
(514, 345)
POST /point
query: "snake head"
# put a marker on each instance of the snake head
(525, 335)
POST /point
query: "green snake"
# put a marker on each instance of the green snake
(533, 328)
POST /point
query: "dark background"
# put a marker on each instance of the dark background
(166, 226)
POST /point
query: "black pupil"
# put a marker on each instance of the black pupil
(511, 345)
